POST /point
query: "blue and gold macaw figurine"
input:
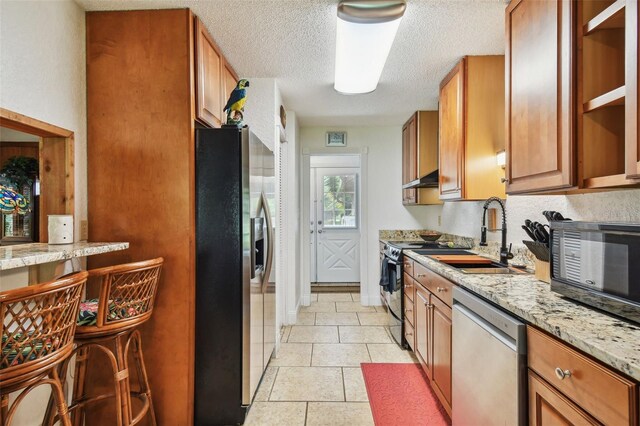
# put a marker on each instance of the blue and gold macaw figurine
(235, 104)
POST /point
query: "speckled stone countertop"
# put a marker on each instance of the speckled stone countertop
(19, 256)
(610, 340)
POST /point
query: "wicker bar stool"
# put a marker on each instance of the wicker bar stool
(38, 325)
(108, 324)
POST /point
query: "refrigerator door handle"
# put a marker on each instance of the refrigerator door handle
(269, 260)
(252, 237)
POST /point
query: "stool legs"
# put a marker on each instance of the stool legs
(57, 395)
(143, 379)
(117, 349)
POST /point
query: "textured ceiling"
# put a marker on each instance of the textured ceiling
(293, 41)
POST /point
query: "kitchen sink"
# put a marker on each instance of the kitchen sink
(483, 268)
(431, 252)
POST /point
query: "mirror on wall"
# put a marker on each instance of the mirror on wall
(19, 187)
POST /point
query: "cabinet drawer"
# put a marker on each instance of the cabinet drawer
(408, 285)
(409, 334)
(439, 286)
(408, 310)
(607, 396)
(407, 265)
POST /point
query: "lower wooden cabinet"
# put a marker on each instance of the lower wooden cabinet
(547, 406)
(431, 327)
(422, 306)
(441, 360)
(567, 387)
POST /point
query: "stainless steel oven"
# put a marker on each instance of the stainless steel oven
(598, 264)
(392, 292)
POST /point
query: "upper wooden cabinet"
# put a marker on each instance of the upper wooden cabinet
(215, 78)
(419, 156)
(539, 95)
(229, 82)
(632, 88)
(472, 129)
(572, 116)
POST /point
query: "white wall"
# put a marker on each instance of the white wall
(383, 181)
(42, 73)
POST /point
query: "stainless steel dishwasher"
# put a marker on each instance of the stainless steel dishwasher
(489, 364)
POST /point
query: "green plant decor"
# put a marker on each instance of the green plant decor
(20, 170)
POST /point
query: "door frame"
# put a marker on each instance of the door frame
(305, 201)
(317, 188)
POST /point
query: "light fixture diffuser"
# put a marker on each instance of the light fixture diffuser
(365, 33)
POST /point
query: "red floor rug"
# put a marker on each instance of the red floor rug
(400, 395)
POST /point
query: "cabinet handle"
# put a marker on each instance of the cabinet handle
(440, 289)
(408, 334)
(422, 275)
(406, 311)
(562, 374)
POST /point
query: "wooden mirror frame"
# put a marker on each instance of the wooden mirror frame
(56, 164)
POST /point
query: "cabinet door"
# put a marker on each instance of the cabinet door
(229, 82)
(422, 306)
(632, 121)
(208, 78)
(547, 406)
(452, 134)
(409, 151)
(441, 338)
(540, 98)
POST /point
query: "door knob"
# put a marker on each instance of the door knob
(562, 374)
(319, 222)
(311, 231)
(319, 231)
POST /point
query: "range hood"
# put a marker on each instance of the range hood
(429, 180)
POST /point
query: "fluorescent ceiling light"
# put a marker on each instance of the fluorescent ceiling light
(366, 30)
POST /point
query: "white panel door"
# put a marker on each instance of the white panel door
(337, 229)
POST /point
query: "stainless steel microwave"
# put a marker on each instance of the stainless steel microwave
(598, 264)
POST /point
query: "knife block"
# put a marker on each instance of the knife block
(543, 273)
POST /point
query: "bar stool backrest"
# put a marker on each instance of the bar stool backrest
(127, 292)
(38, 326)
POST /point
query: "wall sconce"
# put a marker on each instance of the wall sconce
(501, 158)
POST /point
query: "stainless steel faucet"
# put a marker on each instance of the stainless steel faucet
(505, 253)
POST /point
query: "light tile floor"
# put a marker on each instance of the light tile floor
(316, 378)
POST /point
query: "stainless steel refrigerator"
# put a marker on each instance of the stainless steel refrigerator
(235, 272)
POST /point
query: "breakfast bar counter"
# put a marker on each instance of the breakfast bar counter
(24, 255)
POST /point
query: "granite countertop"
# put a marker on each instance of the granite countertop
(19, 256)
(606, 338)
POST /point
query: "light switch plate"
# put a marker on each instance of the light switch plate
(84, 230)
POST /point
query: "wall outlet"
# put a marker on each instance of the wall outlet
(439, 220)
(84, 230)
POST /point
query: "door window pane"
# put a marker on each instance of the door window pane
(340, 201)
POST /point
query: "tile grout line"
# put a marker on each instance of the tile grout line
(344, 386)
(306, 412)
(273, 385)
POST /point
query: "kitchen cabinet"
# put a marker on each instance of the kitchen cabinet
(209, 82)
(571, 95)
(547, 406)
(607, 101)
(441, 359)
(540, 141)
(432, 327)
(632, 17)
(420, 156)
(422, 307)
(141, 109)
(472, 129)
(566, 387)
(409, 161)
(229, 82)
